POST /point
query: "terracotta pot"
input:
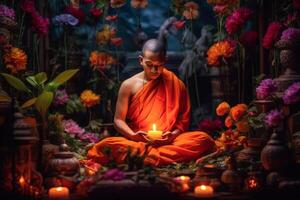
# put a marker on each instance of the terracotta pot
(275, 155)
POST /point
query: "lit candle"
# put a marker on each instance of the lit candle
(204, 191)
(183, 179)
(22, 184)
(154, 134)
(58, 193)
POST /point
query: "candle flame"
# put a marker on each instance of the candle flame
(154, 127)
(203, 187)
(21, 180)
(59, 188)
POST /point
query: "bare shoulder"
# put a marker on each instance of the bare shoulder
(128, 86)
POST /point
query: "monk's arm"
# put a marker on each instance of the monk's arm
(121, 111)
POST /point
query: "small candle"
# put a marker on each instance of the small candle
(58, 193)
(154, 134)
(204, 191)
(183, 179)
(22, 184)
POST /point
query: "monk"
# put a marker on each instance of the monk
(153, 96)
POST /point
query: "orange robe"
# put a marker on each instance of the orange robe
(165, 102)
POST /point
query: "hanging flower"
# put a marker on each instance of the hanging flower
(210, 126)
(116, 41)
(117, 3)
(179, 24)
(72, 128)
(111, 18)
(105, 35)
(292, 94)
(61, 97)
(15, 59)
(7, 12)
(237, 19)
(273, 33)
(274, 117)
(223, 108)
(77, 13)
(139, 3)
(238, 111)
(249, 39)
(96, 12)
(66, 19)
(191, 10)
(266, 89)
(100, 60)
(223, 49)
(40, 24)
(89, 98)
(291, 34)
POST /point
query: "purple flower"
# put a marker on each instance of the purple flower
(265, 89)
(292, 94)
(71, 127)
(292, 34)
(274, 117)
(61, 97)
(7, 12)
(90, 137)
(114, 174)
(66, 19)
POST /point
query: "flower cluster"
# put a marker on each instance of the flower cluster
(89, 98)
(237, 19)
(76, 12)
(139, 3)
(292, 94)
(222, 7)
(113, 174)
(104, 36)
(291, 34)
(7, 12)
(15, 59)
(90, 165)
(266, 89)
(191, 10)
(100, 60)
(218, 51)
(61, 97)
(230, 139)
(274, 118)
(39, 24)
(272, 35)
(66, 19)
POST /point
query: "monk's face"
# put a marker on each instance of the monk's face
(153, 64)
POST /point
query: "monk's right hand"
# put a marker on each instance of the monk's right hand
(140, 136)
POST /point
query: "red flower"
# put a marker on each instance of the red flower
(28, 6)
(249, 39)
(220, 9)
(116, 41)
(179, 24)
(79, 14)
(111, 18)
(273, 33)
(96, 12)
(237, 19)
(40, 24)
(88, 1)
(210, 126)
(296, 4)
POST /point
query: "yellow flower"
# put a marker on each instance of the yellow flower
(89, 98)
(191, 10)
(104, 36)
(139, 3)
(15, 59)
(223, 108)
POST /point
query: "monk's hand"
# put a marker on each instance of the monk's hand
(160, 142)
(140, 136)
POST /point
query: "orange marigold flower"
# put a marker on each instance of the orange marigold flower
(223, 49)
(228, 122)
(223, 108)
(238, 111)
(89, 98)
(104, 36)
(139, 3)
(100, 60)
(15, 59)
(191, 10)
(243, 126)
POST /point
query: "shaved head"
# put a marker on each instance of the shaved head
(154, 45)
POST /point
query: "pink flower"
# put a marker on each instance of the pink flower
(273, 33)
(292, 94)
(79, 14)
(237, 19)
(28, 6)
(220, 9)
(61, 97)
(7, 12)
(274, 117)
(96, 12)
(113, 174)
(249, 39)
(210, 126)
(71, 127)
(292, 34)
(89, 137)
(266, 89)
(40, 24)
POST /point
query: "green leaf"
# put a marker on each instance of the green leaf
(41, 77)
(16, 83)
(65, 76)
(43, 102)
(32, 81)
(29, 103)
